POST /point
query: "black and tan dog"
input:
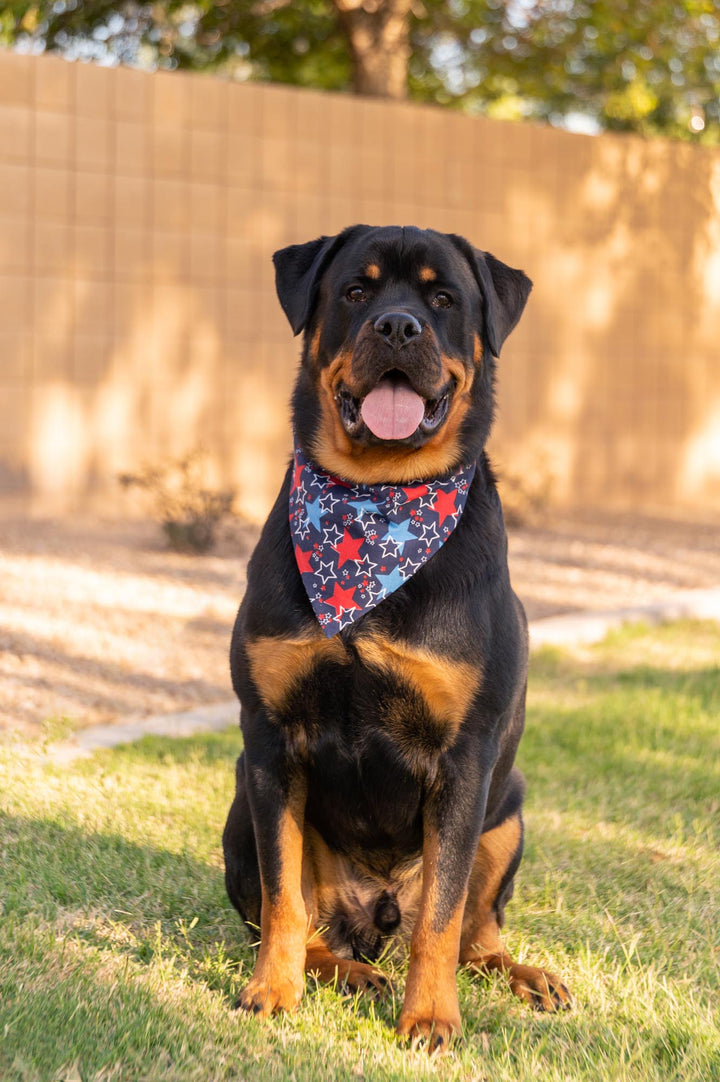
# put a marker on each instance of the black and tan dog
(376, 796)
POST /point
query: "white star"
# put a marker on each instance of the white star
(372, 590)
(303, 527)
(345, 617)
(327, 503)
(366, 565)
(331, 535)
(430, 533)
(316, 481)
(328, 568)
(410, 566)
(389, 540)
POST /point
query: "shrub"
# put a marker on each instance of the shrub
(188, 511)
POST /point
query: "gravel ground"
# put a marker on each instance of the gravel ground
(98, 621)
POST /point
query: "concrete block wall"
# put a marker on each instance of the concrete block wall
(139, 213)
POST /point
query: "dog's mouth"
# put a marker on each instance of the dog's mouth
(393, 409)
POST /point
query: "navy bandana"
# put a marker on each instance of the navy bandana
(356, 544)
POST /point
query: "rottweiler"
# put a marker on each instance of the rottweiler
(380, 654)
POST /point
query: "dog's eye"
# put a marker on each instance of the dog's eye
(442, 300)
(355, 294)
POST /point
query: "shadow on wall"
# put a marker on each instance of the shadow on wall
(175, 372)
(145, 212)
(614, 383)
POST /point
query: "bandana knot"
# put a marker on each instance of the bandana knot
(356, 544)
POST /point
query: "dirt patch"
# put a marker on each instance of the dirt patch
(593, 561)
(99, 621)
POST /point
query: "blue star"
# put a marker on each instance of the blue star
(303, 528)
(364, 507)
(401, 532)
(314, 513)
(392, 581)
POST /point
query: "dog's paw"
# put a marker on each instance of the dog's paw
(360, 977)
(347, 976)
(541, 990)
(264, 997)
(434, 1032)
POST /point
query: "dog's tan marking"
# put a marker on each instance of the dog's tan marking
(431, 1008)
(481, 946)
(372, 271)
(477, 350)
(448, 687)
(496, 850)
(320, 962)
(427, 274)
(333, 882)
(277, 982)
(315, 344)
(333, 449)
(277, 664)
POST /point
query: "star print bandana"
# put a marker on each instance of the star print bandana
(356, 544)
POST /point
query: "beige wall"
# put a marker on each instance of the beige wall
(138, 215)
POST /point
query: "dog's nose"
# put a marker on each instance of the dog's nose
(397, 328)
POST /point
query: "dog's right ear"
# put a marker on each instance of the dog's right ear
(298, 270)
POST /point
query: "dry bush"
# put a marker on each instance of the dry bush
(188, 511)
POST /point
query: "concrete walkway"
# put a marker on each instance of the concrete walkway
(587, 627)
(201, 719)
(570, 629)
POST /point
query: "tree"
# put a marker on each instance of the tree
(651, 66)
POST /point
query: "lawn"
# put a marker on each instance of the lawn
(120, 956)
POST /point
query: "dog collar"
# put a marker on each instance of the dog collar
(356, 544)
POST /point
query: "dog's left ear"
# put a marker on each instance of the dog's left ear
(504, 292)
(298, 270)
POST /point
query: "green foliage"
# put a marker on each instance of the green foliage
(120, 955)
(652, 66)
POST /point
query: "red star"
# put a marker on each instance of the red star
(342, 599)
(303, 559)
(444, 505)
(348, 549)
(414, 493)
(297, 475)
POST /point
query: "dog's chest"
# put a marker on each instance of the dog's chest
(373, 692)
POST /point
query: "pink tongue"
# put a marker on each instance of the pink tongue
(392, 411)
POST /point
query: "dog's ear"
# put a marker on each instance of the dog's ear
(298, 270)
(504, 292)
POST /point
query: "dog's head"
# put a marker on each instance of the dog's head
(401, 328)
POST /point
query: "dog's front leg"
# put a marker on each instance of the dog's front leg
(452, 818)
(277, 792)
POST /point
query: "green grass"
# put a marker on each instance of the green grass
(120, 955)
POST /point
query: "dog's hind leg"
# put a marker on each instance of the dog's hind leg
(491, 887)
(242, 872)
